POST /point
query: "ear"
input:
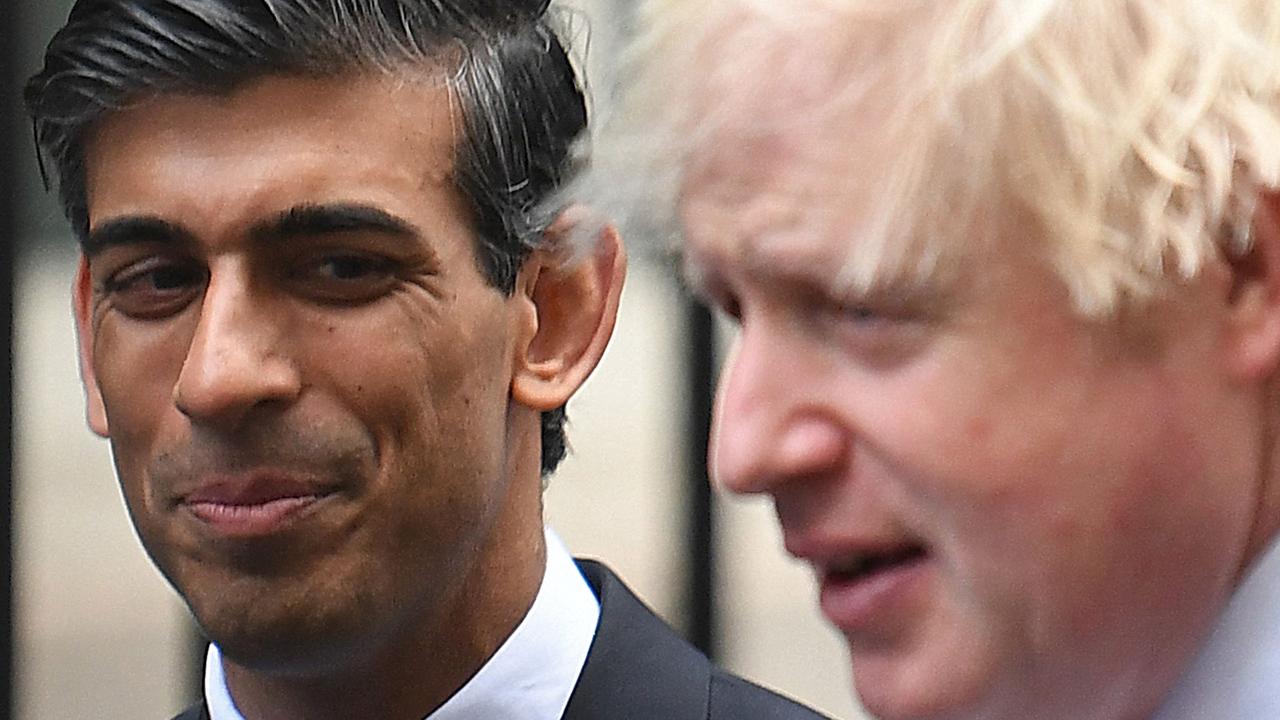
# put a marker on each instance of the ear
(571, 309)
(82, 301)
(1254, 347)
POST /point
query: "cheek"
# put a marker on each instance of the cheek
(1075, 515)
(430, 387)
(136, 368)
(134, 360)
(990, 429)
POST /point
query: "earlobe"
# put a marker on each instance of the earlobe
(1254, 351)
(82, 299)
(571, 313)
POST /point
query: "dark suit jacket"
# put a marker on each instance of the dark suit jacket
(639, 669)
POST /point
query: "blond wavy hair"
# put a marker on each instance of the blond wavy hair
(1137, 134)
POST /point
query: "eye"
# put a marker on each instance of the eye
(346, 277)
(729, 305)
(721, 303)
(859, 313)
(351, 267)
(154, 288)
(717, 296)
(879, 336)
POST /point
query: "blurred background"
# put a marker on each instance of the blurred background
(96, 633)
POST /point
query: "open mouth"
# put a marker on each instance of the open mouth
(863, 566)
(871, 594)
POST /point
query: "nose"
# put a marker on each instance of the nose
(772, 424)
(236, 360)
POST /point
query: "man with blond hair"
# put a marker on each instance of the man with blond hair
(1020, 262)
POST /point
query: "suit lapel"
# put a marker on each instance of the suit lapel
(638, 667)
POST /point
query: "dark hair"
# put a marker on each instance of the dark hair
(520, 101)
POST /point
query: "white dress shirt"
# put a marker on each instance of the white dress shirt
(532, 674)
(1236, 676)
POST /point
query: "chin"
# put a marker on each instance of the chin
(296, 654)
(884, 707)
(274, 639)
(913, 688)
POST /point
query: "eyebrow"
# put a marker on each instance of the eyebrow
(295, 222)
(932, 293)
(309, 220)
(134, 229)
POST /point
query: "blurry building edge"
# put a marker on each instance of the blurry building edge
(9, 70)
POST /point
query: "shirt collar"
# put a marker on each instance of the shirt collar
(1234, 675)
(532, 674)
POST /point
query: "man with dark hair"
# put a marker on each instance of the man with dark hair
(329, 320)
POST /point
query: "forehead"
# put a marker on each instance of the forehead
(834, 133)
(272, 143)
(799, 156)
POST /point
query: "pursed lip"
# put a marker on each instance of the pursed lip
(254, 504)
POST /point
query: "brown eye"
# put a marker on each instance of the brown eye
(346, 278)
(351, 267)
(154, 289)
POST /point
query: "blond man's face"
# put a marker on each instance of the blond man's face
(1012, 511)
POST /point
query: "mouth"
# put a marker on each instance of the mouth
(870, 593)
(862, 566)
(253, 506)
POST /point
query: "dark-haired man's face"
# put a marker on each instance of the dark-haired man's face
(305, 377)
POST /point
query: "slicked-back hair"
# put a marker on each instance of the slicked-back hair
(520, 103)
